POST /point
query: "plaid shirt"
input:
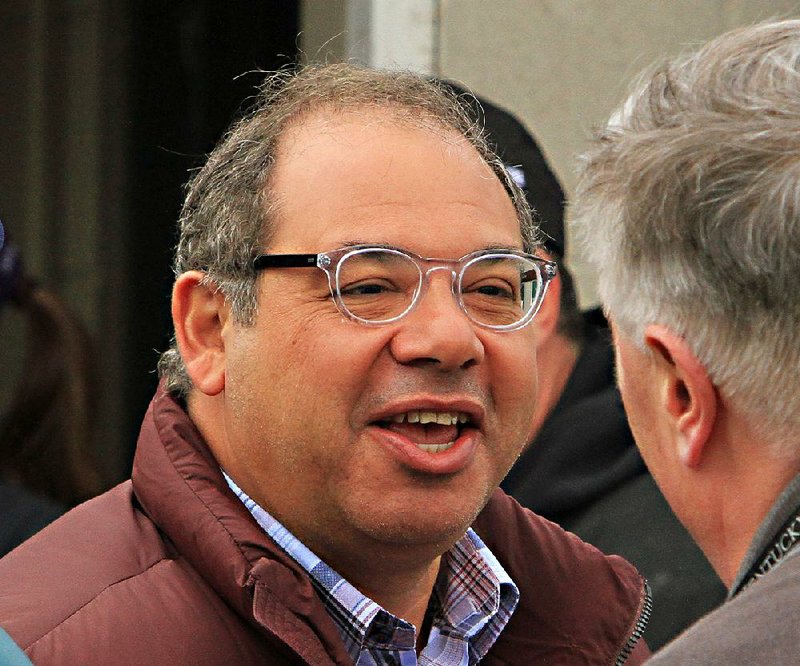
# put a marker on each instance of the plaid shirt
(472, 602)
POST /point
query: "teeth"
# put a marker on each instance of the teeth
(427, 417)
(435, 448)
(441, 418)
(445, 419)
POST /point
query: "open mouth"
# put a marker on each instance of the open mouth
(431, 431)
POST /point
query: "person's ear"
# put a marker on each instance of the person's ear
(199, 314)
(685, 390)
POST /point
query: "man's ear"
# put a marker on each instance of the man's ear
(686, 392)
(199, 314)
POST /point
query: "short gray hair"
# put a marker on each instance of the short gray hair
(228, 215)
(688, 206)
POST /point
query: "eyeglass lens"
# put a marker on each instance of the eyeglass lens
(380, 285)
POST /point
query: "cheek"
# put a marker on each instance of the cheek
(520, 363)
(339, 354)
(323, 371)
(515, 381)
(314, 349)
(637, 401)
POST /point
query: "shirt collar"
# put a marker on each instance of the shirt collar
(475, 598)
(785, 505)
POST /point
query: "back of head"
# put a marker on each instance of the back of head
(689, 207)
(229, 212)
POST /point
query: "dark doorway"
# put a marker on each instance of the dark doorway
(194, 65)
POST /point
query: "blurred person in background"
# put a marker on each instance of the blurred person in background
(582, 469)
(46, 433)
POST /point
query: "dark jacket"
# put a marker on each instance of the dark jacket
(22, 514)
(170, 568)
(584, 472)
(759, 624)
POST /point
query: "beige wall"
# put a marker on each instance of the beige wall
(560, 65)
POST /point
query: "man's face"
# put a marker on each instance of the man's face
(312, 399)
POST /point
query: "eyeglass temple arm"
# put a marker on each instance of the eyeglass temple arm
(550, 271)
(284, 261)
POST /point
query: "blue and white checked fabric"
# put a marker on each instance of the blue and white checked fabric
(473, 600)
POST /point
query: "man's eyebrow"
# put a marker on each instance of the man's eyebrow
(390, 246)
(502, 247)
(365, 243)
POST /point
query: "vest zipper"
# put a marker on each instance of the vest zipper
(638, 628)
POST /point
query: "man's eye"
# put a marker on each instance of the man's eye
(366, 289)
(494, 290)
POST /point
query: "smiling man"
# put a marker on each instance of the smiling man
(316, 479)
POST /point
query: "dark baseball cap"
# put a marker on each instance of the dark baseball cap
(526, 164)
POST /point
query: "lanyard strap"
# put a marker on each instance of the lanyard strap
(788, 537)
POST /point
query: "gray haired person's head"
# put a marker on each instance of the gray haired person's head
(228, 215)
(689, 208)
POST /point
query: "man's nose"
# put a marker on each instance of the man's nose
(437, 331)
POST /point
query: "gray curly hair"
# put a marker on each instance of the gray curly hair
(228, 215)
(689, 207)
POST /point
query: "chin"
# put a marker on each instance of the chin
(437, 522)
(432, 539)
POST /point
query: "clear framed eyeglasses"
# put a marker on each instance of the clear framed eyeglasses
(374, 285)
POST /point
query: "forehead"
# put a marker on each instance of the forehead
(369, 175)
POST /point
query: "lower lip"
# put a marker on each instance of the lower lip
(450, 461)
